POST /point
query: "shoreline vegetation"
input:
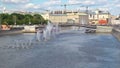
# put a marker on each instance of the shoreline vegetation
(21, 19)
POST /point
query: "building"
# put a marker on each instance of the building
(68, 17)
(99, 17)
(96, 17)
(115, 20)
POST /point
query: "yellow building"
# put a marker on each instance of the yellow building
(58, 18)
(69, 17)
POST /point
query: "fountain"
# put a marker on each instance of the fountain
(26, 43)
(48, 32)
(55, 30)
(39, 35)
(21, 44)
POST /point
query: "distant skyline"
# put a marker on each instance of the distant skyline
(112, 6)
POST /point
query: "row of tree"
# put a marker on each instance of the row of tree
(21, 19)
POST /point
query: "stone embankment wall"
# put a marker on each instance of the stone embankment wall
(10, 32)
(104, 29)
(116, 32)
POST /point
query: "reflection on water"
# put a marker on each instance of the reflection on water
(67, 50)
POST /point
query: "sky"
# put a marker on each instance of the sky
(112, 6)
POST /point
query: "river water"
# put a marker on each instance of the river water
(71, 49)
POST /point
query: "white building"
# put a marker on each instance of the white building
(97, 15)
(115, 20)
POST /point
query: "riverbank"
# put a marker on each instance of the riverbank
(116, 32)
(10, 32)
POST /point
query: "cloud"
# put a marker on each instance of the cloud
(46, 5)
(117, 1)
(15, 1)
(118, 5)
(111, 5)
(82, 2)
(73, 1)
(31, 6)
(52, 2)
(87, 2)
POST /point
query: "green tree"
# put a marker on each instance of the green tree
(28, 19)
(20, 19)
(4, 18)
(38, 19)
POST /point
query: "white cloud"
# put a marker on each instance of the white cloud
(104, 9)
(87, 2)
(118, 5)
(15, 1)
(31, 6)
(52, 2)
(46, 5)
(111, 5)
(83, 2)
(117, 1)
(73, 1)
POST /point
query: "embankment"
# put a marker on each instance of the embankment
(116, 32)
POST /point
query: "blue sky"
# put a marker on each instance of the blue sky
(112, 6)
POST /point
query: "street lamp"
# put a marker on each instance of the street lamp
(29, 22)
(14, 19)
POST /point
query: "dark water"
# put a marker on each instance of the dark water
(67, 50)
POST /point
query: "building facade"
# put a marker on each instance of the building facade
(100, 17)
(115, 20)
(96, 17)
(69, 17)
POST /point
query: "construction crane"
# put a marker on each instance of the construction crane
(86, 6)
(65, 6)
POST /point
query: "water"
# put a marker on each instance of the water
(70, 49)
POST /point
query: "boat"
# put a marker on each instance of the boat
(89, 30)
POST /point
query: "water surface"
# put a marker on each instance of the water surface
(67, 50)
